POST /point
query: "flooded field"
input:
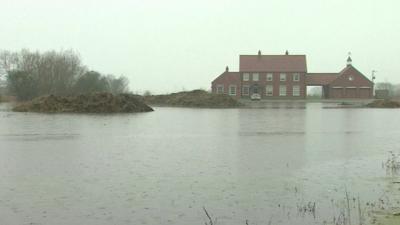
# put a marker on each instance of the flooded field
(291, 163)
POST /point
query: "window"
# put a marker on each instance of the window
(255, 77)
(296, 90)
(282, 90)
(246, 77)
(220, 89)
(269, 76)
(283, 76)
(269, 90)
(232, 89)
(296, 77)
(245, 90)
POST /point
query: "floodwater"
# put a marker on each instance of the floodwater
(163, 167)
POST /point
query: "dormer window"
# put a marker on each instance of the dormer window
(296, 77)
(246, 76)
(283, 77)
(255, 77)
(269, 76)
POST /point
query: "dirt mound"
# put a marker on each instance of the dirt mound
(384, 104)
(6, 98)
(88, 103)
(196, 98)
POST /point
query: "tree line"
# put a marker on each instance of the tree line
(31, 74)
(393, 89)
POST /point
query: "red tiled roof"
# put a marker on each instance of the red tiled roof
(273, 63)
(320, 78)
(228, 76)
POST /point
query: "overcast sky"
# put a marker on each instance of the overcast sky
(170, 45)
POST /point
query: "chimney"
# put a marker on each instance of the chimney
(287, 52)
(259, 53)
(227, 69)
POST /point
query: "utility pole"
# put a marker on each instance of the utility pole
(373, 75)
(373, 83)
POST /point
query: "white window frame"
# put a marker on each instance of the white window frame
(248, 90)
(282, 90)
(296, 90)
(232, 87)
(296, 75)
(246, 76)
(256, 76)
(270, 76)
(269, 90)
(282, 77)
(218, 89)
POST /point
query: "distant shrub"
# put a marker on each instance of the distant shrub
(22, 84)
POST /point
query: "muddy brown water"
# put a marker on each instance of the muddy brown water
(163, 167)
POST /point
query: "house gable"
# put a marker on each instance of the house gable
(227, 77)
(225, 81)
(351, 77)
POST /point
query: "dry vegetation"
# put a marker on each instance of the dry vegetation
(195, 98)
(5, 98)
(384, 104)
(88, 103)
(392, 164)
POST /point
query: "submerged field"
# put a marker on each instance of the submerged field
(290, 163)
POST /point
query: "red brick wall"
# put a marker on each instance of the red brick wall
(235, 78)
(226, 79)
(262, 83)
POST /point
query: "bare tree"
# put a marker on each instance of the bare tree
(147, 93)
(117, 85)
(56, 72)
(385, 86)
(90, 82)
(8, 60)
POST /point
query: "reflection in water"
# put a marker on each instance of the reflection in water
(271, 133)
(163, 167)
(38, 137)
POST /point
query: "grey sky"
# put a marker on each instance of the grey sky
(166, 46)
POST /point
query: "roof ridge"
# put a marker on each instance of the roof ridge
(325, 73)
(351, 66)
(275, 55)
(277, 63)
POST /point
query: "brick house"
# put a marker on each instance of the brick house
(286, 77)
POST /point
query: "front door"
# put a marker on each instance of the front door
(255, 89)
